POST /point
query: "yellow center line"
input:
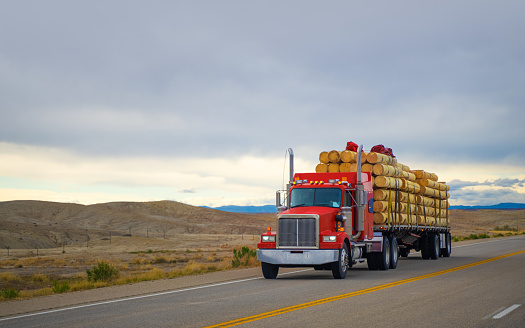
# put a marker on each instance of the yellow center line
(352, 294)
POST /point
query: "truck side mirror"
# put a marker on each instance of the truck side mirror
(340, 217)
(280, 207)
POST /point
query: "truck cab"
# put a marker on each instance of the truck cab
(325, 223)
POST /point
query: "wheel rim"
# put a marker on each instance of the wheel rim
(395, 251)
(344, 259)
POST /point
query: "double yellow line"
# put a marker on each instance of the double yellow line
(352, 294)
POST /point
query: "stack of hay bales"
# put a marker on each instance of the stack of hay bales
(401, 196)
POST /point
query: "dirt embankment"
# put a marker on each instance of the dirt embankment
(466, 222)
(37, 224)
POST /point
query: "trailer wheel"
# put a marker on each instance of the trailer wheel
(383, 258)
(433, 246)
(340, 267)
(371, 261)
(269, 271)
(423, 246)
(394, 252)
(448, 246)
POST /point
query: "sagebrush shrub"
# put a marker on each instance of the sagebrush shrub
(9, 293)
(102, 272)
(242, 257)
(60, 287)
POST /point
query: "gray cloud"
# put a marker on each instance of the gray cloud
(461, 193)
(187, 191)
(507, 183)
(487, 197)
(459, 184)
(175, 78)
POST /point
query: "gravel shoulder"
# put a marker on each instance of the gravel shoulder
(80, 298)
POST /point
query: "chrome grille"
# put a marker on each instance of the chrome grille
(297, 232)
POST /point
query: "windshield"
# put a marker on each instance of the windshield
(328, 197)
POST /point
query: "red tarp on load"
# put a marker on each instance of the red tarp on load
(352, 146)
(382, 150)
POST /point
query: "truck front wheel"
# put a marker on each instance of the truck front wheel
(340, 267)
(270, 271)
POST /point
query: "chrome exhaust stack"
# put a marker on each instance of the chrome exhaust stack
(282, 207)
(360, 198)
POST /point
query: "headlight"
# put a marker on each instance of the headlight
(329, 239)
(268, 239)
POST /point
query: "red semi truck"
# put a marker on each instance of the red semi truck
(327, 223)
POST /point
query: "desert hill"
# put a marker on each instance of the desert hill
(39, 224)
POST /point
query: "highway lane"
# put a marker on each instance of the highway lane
(448, 292)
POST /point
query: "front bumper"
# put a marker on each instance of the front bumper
(298, 257)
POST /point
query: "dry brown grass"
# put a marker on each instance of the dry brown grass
(34, 276)
(465, 223)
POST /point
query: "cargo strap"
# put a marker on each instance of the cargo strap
(408, 210)
(389, 206)
(424, 212)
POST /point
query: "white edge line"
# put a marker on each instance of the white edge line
(493, 313)
(507, 311)
(139, 297)
(484, 242)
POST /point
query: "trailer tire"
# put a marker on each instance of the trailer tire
(394, 252)
(371, 261)
(269, 271)
(383, 258)
(433, 246)
(445, 252)
(423, 246)
(340, 267)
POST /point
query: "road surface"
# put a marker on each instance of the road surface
(481, 285)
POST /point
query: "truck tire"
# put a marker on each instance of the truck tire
(269, 271)
(423, 246)
(340, 267)
(383, 258)
(445, 252)
(433, 246)
(371, 261)
(394, 252)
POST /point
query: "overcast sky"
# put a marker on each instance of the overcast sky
(197, 101)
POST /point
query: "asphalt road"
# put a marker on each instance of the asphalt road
(481, 285)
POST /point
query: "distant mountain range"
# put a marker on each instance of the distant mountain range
(500, 206)
(273, 208)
